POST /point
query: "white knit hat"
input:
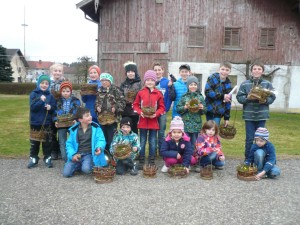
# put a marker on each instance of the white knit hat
(177, 124)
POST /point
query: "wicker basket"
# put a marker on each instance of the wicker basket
(122, 151)
(148, 110)
(193, 106)
(104, 175)
(206, 173)
(149, 171)
(106, 118)
(38, 135)
(177, 171)
(246, 173)
(227, 132)
(65, 121)
(130, 96)
(259, 93)
(88, 89)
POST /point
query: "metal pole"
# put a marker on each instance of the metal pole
(24, 25)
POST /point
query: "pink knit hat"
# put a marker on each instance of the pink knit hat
(177, 124)
(96, 68)
(150, 74)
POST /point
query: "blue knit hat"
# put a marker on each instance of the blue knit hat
(41, 79)
(262, 133)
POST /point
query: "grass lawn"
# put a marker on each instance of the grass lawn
(14, 136)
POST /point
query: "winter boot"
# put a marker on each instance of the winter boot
(33, 161)
(151, 161)
(141, 162)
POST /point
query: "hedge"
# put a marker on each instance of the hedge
(21, 88)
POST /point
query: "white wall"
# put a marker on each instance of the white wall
(286, 81)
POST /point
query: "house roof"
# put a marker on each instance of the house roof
(40, 64)
(11, 52)
(88, 7)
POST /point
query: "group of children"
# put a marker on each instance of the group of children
(140, 107)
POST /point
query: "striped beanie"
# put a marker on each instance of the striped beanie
(150, 74)
(177, 124)
(262, 133)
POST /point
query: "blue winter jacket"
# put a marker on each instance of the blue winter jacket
(164, 88)
(180, 89)
(270, 158)
(37, 107)
(98, 141)
(90, 100)
(60, 110)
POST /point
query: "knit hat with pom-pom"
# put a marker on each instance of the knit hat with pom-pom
(177, 124)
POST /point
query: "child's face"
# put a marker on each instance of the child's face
(149, 83)
(105, 83)
(126, 129)
(131, 75)
(210, 132)
(57, 73)
(184, 73)
(224, 72)
(44, 85)
(176, 134)
(94, 74)
(66, 92)
(86, 119)
(257, 71)
(159, 72)
(193, 87)
(260, 142)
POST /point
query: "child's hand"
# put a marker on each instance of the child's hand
(76, 158)
(48, 107)
(134, 149)
(113, 109)
(98, 151)
(260, 175)
(56, 124)
(152, 116)
(142, 115)
(74, 121)
(99, 109)
(227, 98)
(186, 106)
(201, 106)
(178, 156)
(222, 158)
(43, 98)
(187, 169)
(226, 122)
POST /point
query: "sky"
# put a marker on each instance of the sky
(57, 31)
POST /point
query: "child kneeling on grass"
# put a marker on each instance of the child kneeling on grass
(262, 153)
(177, 147)
(127, 137)
(85, 145)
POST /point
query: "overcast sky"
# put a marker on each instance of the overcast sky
(57, 31)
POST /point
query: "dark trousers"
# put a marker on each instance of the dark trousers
(108, 131)
(35, 148)
(55, 144)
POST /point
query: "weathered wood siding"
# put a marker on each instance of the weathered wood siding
(146, 31)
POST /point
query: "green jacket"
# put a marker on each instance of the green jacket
(192, 121)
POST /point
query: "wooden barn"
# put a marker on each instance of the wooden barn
(200, 32)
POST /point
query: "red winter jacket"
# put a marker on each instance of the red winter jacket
(147, 98)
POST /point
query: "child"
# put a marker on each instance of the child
(149, 96)
(262, 153)
(56, 72)
(255, 113)
(66, 105)
(126, 136)
(85, 145)
(208, 146)
(218, 100)
(177, 147)
(192, 120)
(109, 99)
(179, 87)
(42, 108)
(130, 87)
(89, 100)
(162, 85)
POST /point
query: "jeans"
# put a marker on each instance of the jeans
(62, 138)
(193, 140)
(251, 127)
(259, 160)
(162, 120)
(171, 161)
(85, 165)
(216, 119)
(152, 141)
(108, 131)
(211, 158)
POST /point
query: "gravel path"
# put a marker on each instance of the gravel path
(43, 196)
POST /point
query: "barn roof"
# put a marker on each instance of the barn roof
(88, 7)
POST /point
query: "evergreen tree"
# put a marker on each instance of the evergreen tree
(5, 68)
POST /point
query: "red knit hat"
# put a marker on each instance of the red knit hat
(96, 68)
(150, 74)
(65, 84)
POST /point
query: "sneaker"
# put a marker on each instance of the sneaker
(198, 169)
(164, 169)
(32, 162)
(141, 163)
(219, 167)
(134, 170)
(48, 162)
(151, 161)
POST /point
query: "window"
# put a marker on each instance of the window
(267, 38)
(196, 36)
(232, 37)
